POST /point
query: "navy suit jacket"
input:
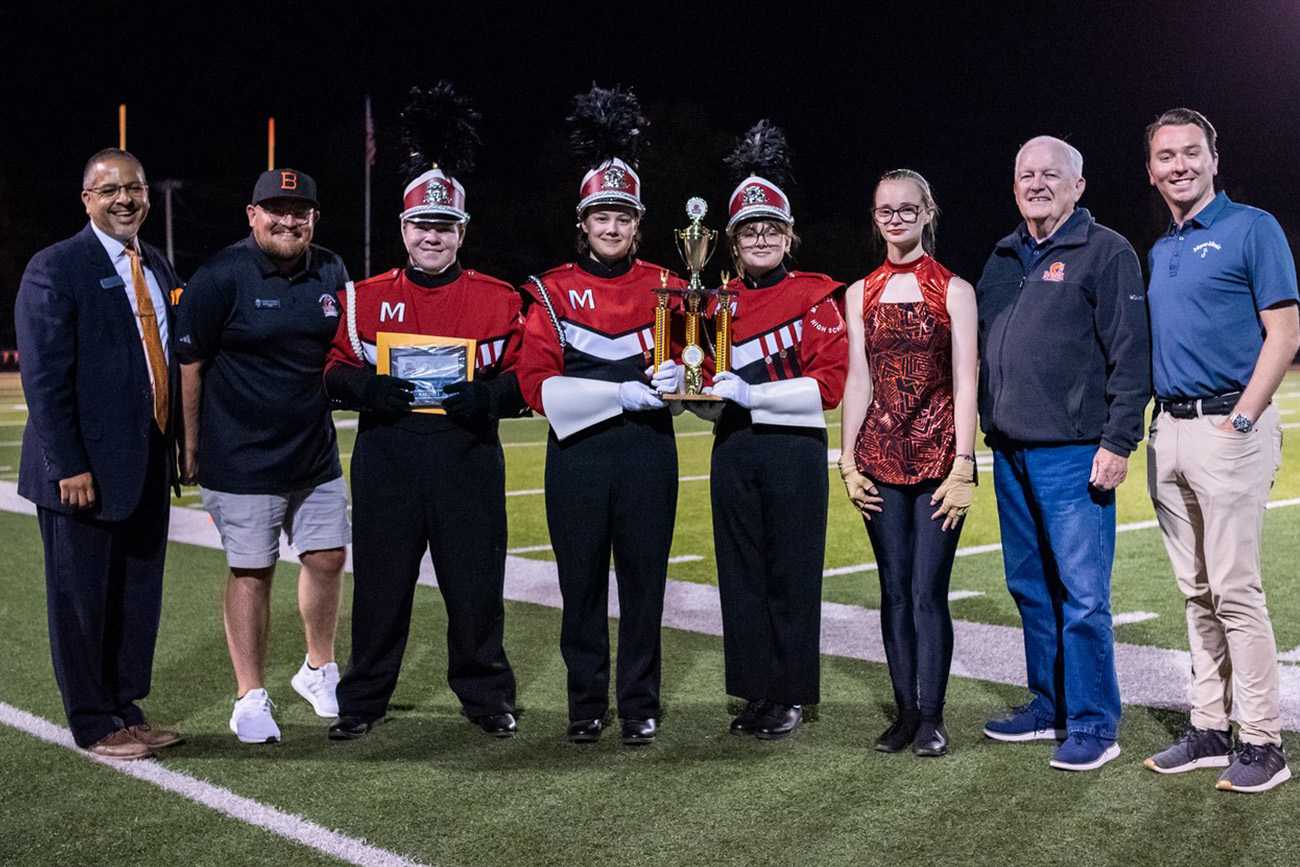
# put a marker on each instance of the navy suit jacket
(86, 378)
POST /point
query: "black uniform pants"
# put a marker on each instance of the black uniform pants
(914, 558)
(444, 491)
(769, 490)
(103, 585)
(613, 488)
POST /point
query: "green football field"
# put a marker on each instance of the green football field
(428, 788)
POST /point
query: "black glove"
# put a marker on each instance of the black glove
(388, 393)
(468, 399)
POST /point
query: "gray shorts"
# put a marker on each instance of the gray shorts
(313, 519)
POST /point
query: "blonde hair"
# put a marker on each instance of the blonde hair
(929, 233)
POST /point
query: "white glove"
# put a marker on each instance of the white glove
(730, 387)
(638, 397)
(670, 378)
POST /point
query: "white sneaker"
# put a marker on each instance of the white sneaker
(251, 721)
(317, 685)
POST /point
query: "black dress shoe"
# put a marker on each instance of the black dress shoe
(899, 736)
(349, 728)
(746, 722)
(639, 732)
(584, 731)
(931, 740)
(778, 721)
(497, 725)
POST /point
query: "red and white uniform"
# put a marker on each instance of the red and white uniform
(473, 306)
(611, 475)
(428, 482)
(608, 327)
(768, 483)
(789, 343)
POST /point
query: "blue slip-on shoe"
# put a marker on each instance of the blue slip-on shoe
(1021, 724)
(1084, 752)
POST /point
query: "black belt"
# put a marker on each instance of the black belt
(1218, 405)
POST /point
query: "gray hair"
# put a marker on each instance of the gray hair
(1071, 152)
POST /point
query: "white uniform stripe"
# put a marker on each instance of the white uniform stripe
(608, 348)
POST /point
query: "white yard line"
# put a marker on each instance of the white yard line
(958, 595)
(1132, 617)
(348, 849)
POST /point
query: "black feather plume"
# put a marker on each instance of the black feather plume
(440, 126)
(762, 151)
(607, 123)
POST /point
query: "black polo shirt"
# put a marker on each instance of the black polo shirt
(265, 425)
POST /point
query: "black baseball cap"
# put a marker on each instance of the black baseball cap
(285, 184)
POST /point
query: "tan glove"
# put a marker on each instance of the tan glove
(861, 490)
(953, 496)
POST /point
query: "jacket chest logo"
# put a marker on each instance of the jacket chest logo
(1055, 272)
(395, 312)
(583, 299)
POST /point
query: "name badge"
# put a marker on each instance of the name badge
(114, 282)
(266, 303)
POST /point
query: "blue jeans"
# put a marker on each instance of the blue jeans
(1058, 546)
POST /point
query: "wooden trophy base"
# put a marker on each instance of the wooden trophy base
(700, 397)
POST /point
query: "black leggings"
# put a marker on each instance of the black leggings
(914, 557)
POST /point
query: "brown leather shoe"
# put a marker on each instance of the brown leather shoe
(120, 745)
(155, 739)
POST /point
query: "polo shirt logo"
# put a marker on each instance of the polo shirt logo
(1055, 272)
(1206, 246)
(328, 305)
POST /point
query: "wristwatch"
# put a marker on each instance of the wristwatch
(1241, 423)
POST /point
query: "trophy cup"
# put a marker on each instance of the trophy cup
(695, 243)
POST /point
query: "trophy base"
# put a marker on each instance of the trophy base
(700, 397)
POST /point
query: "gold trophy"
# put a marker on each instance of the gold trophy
(695, 243)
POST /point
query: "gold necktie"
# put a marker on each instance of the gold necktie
(152, 340)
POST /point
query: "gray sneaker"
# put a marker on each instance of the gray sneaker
(1197, 748)
(1257, 768)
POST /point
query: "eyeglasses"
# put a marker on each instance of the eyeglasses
(110, 191)
(907, 213)
(279, 213)
(767, 237)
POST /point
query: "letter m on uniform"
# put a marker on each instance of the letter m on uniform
(392, 311)
(583, 300)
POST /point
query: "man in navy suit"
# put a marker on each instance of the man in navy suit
(99, 453)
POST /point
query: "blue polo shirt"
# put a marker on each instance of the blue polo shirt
(1210, 277)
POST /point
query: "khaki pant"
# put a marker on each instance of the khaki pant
(1210, 488)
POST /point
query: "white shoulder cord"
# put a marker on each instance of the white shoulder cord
(351, 291)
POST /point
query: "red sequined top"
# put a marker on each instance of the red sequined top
(908, 435)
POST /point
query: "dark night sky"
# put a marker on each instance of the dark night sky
(947, 89)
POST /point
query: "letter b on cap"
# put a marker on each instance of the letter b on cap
(288, 180)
